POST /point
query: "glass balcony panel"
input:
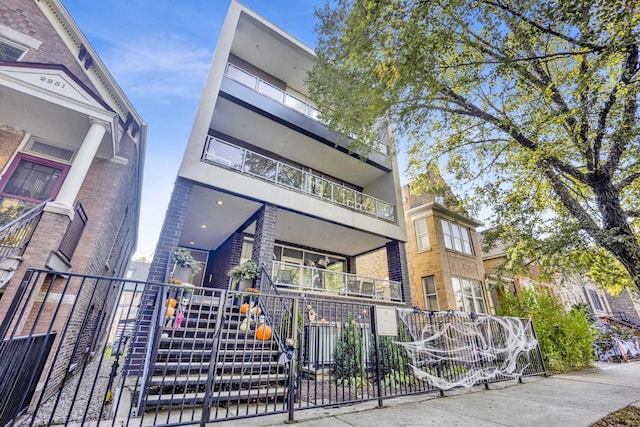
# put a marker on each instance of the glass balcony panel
(384, 210)
(344, 195)
(271, 91)
(366, 203)
(262, 166)
(225, 154)
(332, 281)
(314, 113)
(242, 76)
(291, 177)
(321, 280)
(295, 103)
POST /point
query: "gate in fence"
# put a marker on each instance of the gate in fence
(116, 351)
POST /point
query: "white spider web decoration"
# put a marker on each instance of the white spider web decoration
(460, 350)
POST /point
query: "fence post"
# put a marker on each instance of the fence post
(376, 344)
(290, 363)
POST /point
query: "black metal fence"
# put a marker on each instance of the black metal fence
(21, 362)
(215, 355)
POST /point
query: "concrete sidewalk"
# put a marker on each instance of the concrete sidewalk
(577, 399)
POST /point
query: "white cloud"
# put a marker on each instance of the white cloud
(159, 66)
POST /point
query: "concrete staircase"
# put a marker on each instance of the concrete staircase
(244, 369)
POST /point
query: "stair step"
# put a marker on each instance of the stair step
(183, 380)
(177, 399)
(224, 366)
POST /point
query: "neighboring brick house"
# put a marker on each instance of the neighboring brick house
(444, 256)
(71, 159)
(568, 288)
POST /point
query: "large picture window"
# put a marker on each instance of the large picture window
(32, 178)
(469, 295)
(457, 237)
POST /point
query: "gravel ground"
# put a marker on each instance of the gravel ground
(84, 397)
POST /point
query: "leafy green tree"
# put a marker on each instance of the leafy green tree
(565, 338)
(532, 105)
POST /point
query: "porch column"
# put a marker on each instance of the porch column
(78, 171)
(397, 265)
(265, 238)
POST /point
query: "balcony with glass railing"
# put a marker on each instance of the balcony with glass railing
(312, 279)
(220, 152)
(283, 97)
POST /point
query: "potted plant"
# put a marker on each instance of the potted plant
(244, 274)
(185, 266)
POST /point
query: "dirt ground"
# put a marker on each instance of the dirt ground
(629, 416)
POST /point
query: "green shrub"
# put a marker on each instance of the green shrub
(349, 355)
(565, 338)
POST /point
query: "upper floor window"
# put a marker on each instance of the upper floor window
(32, 178)
(457, 237)
(10, 51)
(422, 236)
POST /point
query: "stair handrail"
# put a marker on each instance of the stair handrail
(155, 334)
(268, 320)
(22, 222)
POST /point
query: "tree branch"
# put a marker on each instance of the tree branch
(545, 30)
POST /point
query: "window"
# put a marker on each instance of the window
(422, 237)
(10, 51)
(469, 295)
(597, 305)
(32, 178)
(457, 237)
(430, 294)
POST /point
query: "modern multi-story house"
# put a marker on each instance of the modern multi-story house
(444, 256)
(263, 178)
(71, 158)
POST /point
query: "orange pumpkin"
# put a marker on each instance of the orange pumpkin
(263, 333)
(171, 302)
(170, 311)
(244, 308)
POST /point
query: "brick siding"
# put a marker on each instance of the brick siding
(27, 18)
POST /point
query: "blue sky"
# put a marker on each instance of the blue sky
(159, 53)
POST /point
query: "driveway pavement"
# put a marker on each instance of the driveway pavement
(577, 399)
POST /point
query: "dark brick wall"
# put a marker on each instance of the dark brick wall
(221, 260)
(351, 265)
(265, 237)
(397, 265)
(169, 238)
(26, 17)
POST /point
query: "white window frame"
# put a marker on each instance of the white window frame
(427, 294)
(24, 49)
(422, 238)
(460, 285)
(457, 237)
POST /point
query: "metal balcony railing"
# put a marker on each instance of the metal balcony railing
(72, 236)
(314, 279)
(283, 97)
(15, 235)
(251, 163)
